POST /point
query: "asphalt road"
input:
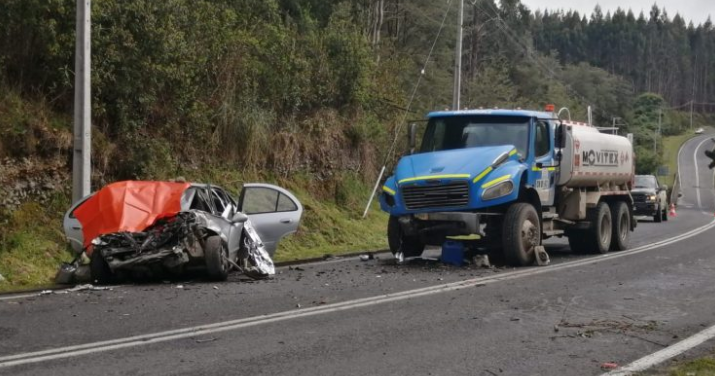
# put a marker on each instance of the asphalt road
(348, 317)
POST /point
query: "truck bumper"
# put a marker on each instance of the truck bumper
(447, 223)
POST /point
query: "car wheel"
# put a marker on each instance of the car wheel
(621, 226)
(658, 216)
(402, 246)
(216, 257)
(521, 234)
(99, 269)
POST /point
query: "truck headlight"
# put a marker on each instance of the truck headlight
(499, 190)
(650, 198)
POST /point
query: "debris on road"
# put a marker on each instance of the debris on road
(608, 366)
(367, 257)
(212, 339)
(542, 258)
(180, 286)
(481, 261)
(85, 287)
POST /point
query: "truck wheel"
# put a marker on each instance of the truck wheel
(216, 257)
(601, 228)
(398, 242)
(621, 226)
(521, 234)
(658, 216)
(99, 269)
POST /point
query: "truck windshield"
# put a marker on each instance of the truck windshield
(645, 182)
(458, 132)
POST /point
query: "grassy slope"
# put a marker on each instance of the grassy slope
(671, 146)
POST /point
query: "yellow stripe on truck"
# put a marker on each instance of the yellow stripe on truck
(482, 175)
(429, 177)
(496, 181)
(543, 168)
(512, 152)
(388, 190)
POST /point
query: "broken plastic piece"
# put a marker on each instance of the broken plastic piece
(609, 366)
(542, 258)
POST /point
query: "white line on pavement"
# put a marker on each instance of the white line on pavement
(135, 341)
(697, 173)
(658, 357)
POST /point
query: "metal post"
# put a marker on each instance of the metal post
(691, 114)
(82, 148)
(458, 60)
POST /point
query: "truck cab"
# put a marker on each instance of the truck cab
(495, 176)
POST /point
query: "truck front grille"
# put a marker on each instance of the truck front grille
(450, 195)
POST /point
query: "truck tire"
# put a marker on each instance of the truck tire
(621, 219)
(216, 257)
(601, 228)
(658, 217)
(409, 246)
(99, 269)
(521, 234)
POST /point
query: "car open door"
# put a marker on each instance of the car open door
(274, 212)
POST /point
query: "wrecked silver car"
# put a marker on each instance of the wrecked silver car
(153, 228)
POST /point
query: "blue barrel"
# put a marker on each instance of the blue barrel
(453, 253)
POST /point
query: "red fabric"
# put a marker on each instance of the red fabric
(128, 206)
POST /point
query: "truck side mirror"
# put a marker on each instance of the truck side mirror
(412, 137)
(561, 130)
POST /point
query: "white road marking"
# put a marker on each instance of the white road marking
(658, 357)
(20, 296)
(170, 335)
(697, 172)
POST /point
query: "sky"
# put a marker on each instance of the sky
(692, 10)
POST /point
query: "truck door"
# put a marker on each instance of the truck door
(543, 172)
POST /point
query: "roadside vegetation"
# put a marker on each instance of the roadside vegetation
(307, 94)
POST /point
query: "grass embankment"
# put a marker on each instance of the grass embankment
(32, 243)
(699, 367)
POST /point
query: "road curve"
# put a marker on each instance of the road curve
(375, 318)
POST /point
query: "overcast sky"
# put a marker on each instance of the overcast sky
(695, 10)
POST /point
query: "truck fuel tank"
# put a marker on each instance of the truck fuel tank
(591, 158)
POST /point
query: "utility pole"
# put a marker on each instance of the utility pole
(458, 60)
(691, 114)
(655, 139)
(82, 140)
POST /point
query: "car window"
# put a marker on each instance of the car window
(258, 200)
(285, 204)
(200, 201)
(219, 204)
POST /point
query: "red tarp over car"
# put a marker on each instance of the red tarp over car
(128, 206)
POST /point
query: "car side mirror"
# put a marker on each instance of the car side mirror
(412, 137)
(239, 218)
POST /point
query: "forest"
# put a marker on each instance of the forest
(312, 93)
